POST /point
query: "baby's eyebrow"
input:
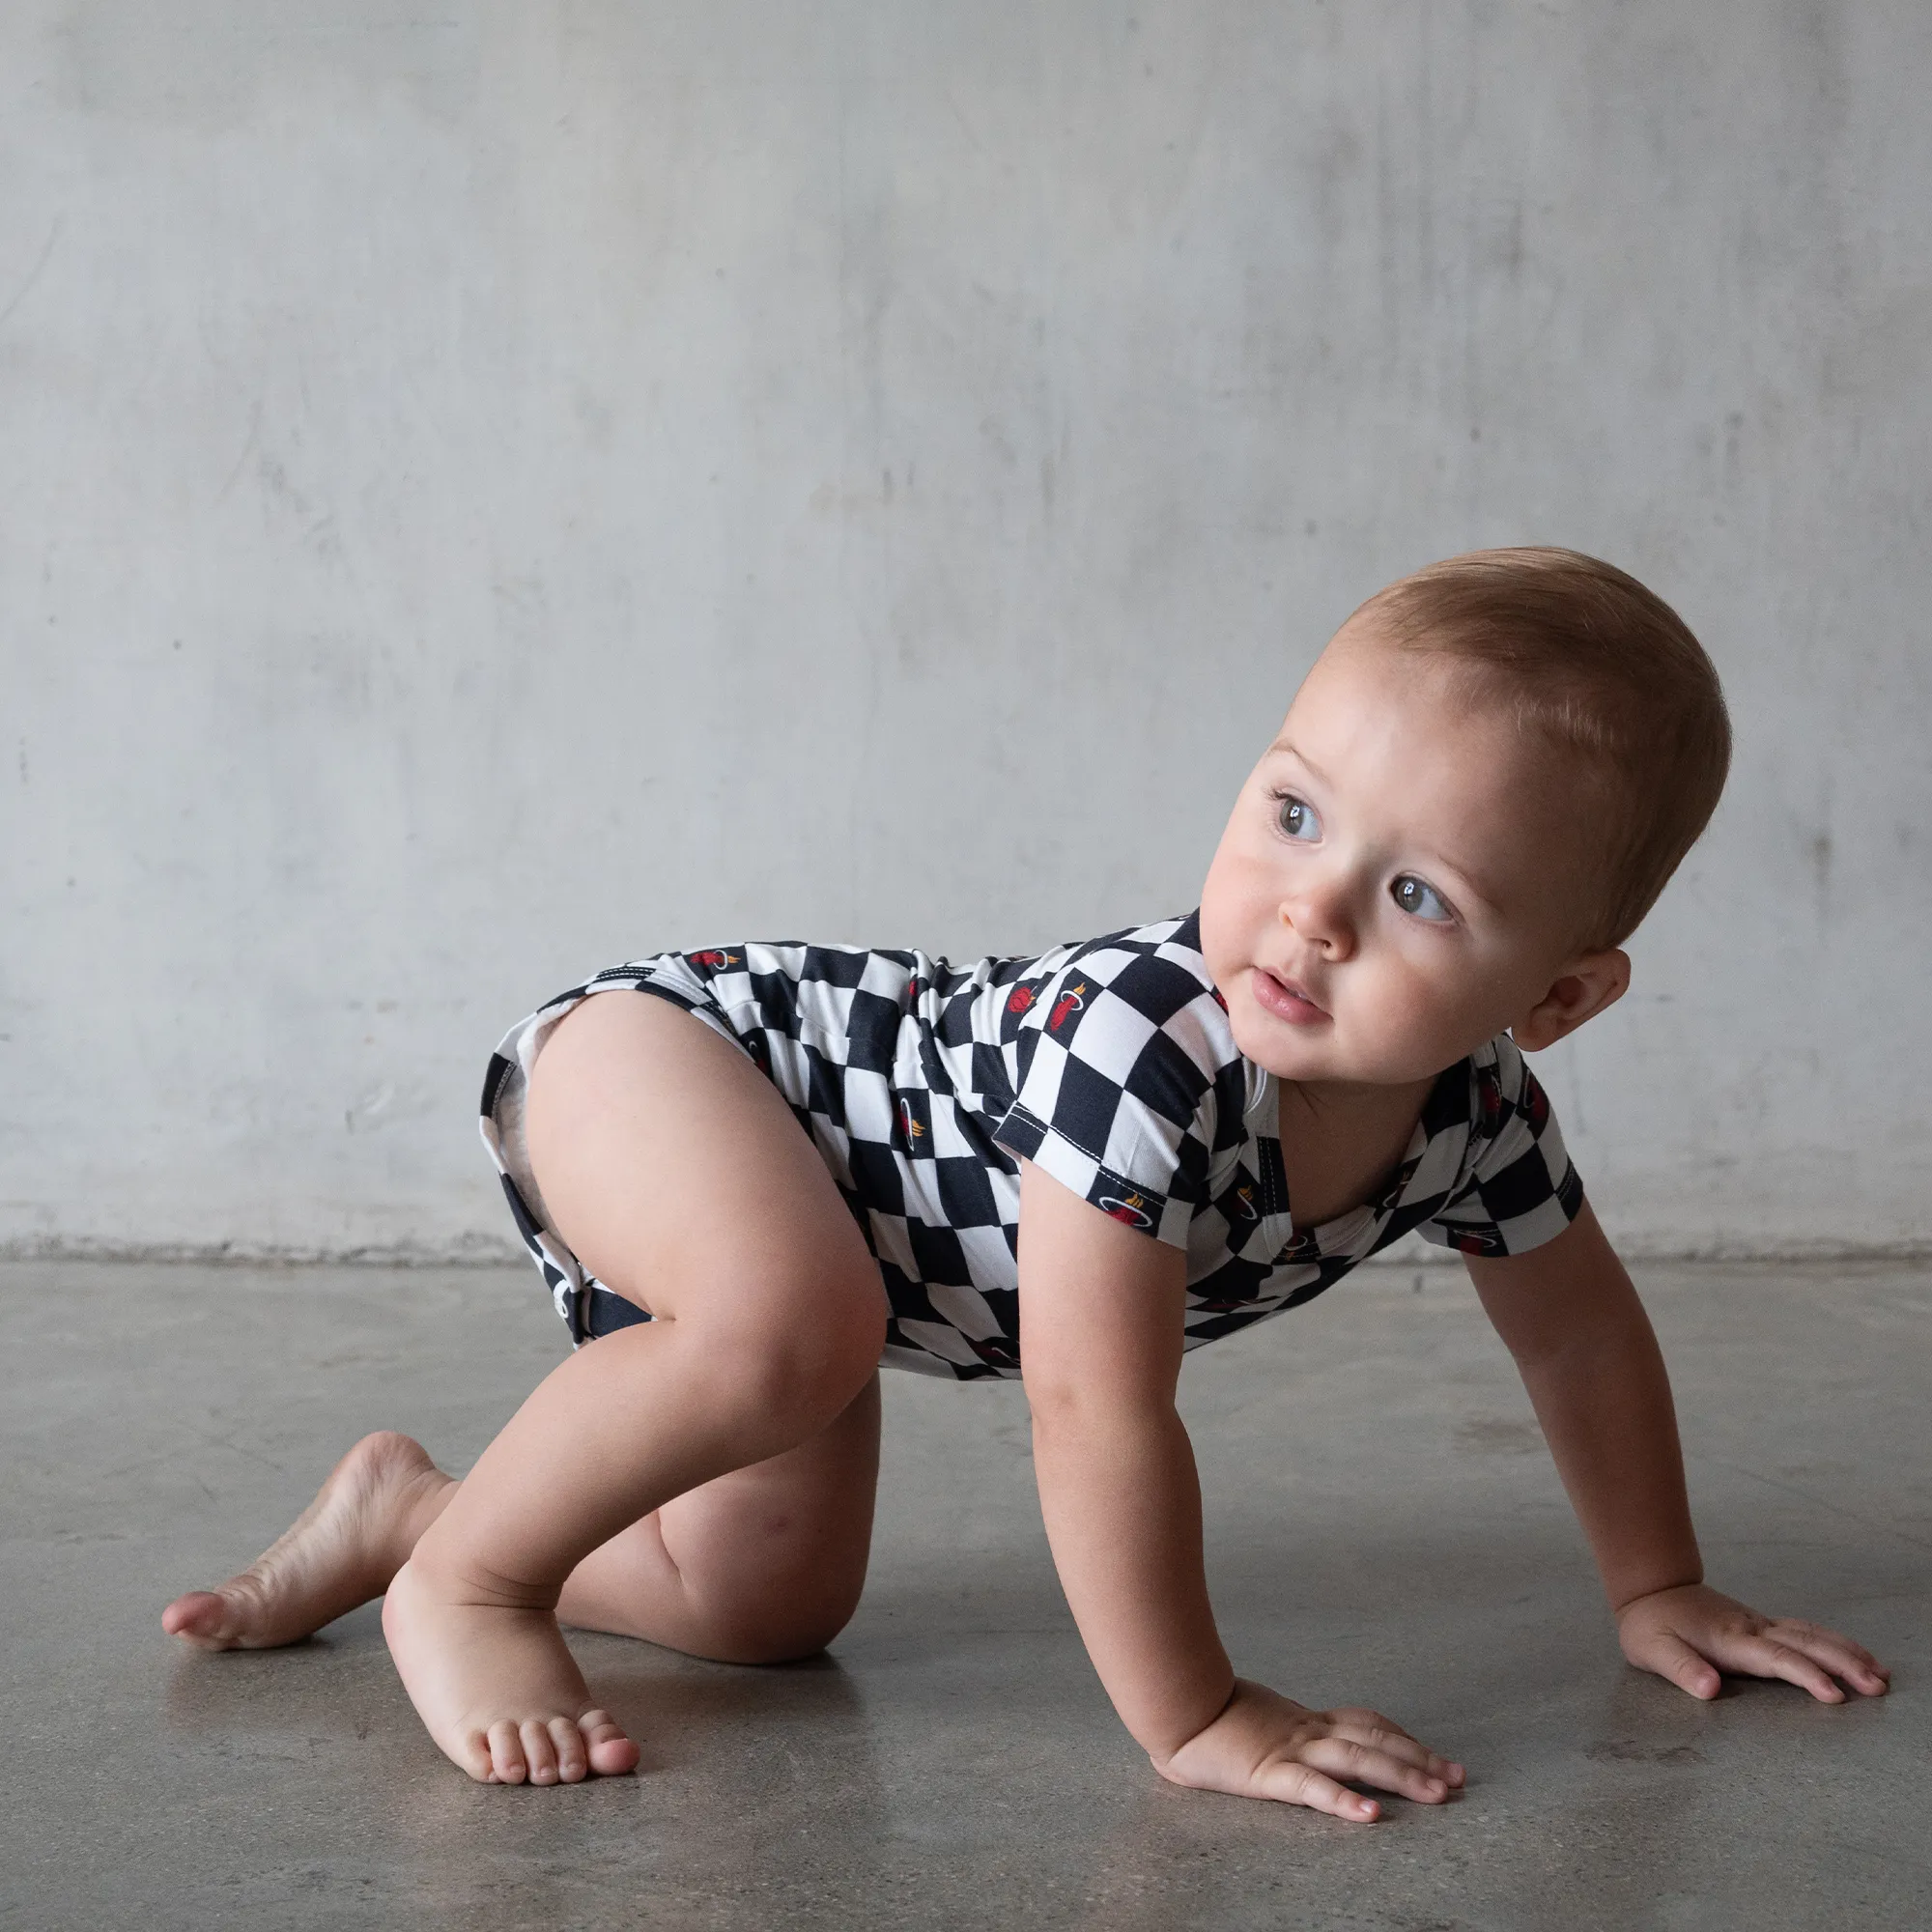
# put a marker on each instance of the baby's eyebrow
(1295, 752)
(1469, 884)
(1470, 888)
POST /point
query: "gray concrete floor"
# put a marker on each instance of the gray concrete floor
(1384, 1528)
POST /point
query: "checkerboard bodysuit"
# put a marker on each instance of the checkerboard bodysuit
(1111, 1064)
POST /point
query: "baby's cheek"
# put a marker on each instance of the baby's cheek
(1420, 1026)
(1215, 950)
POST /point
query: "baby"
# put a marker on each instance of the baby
(1088, 1163)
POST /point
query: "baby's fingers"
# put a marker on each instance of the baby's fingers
(1292, 1784)
(1839, 1654)
(1366, 1728)
(1769, 1657)
(1366, 1763)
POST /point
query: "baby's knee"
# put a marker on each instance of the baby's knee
(783, 1633)
(789, 1644)
(803, 1366)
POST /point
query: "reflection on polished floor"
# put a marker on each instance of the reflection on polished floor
(1384, 1528)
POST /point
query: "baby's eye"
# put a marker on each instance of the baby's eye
(1418, 898)
(1297, 816)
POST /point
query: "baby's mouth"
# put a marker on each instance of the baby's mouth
(1284, 999)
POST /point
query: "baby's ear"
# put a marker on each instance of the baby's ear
(1580, 992)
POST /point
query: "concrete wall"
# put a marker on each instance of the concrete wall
(489, 495)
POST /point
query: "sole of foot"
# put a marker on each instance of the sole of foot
(497, 1689)
(341, 1552)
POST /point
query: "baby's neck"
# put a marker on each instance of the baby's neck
(1339, 1142)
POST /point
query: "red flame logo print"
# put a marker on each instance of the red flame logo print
(1130, 1208)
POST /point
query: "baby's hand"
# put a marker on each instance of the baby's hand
(1262, 1746)
(1681, 1634)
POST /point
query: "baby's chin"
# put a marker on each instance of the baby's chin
(1330, 1055)
(1287, 1052)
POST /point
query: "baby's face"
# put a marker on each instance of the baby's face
(1398, 882)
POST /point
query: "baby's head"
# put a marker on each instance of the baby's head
(1479, 791)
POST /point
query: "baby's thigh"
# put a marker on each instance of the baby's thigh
(680, 1178)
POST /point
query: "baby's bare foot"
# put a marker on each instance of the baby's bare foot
(497, 1687)
(339, 1552)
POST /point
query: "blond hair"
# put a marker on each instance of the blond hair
(1588, 659)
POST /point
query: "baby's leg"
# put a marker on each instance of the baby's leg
(679, 1176)
(758, 1567)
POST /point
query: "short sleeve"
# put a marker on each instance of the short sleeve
(1520, 1189)
(1127, 1067)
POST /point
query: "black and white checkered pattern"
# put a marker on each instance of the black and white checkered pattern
(1111, 1064)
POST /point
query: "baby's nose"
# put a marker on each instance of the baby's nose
(1320, 917)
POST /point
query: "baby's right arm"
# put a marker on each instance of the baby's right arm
(1100, 1309)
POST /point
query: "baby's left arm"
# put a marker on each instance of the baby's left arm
(1569, 1314)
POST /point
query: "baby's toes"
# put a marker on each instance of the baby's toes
(472, 1753)
(539, 1753)
(506, 1752)
(202, 1617)
(612, 1753)
(567, 1740)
